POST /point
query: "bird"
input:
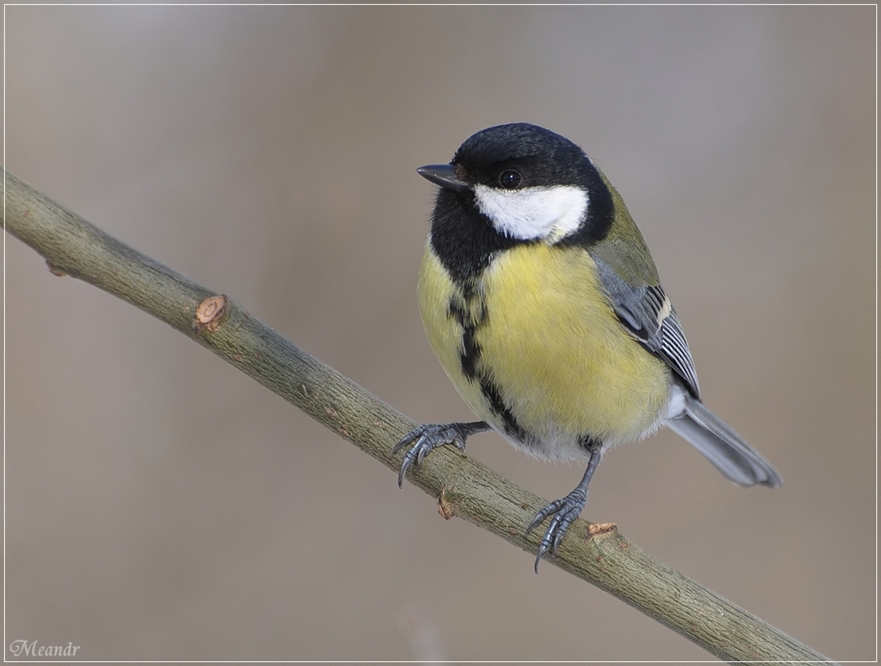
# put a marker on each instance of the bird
(542, 303)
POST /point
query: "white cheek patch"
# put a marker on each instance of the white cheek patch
(534, 213)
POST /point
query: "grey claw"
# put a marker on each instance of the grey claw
(408, 460)
(564, 512)
(407, 439)
(426, 438)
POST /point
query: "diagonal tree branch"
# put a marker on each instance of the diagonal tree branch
(464, 487)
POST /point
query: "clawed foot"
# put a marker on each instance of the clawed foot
(564, 512)
(426, 438)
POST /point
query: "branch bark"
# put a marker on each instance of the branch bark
(463, 486)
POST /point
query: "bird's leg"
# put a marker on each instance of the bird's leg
(426, 438)
(564, 511)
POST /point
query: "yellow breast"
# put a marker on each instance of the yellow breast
(551, 344)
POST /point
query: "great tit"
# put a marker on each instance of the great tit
(544, 307)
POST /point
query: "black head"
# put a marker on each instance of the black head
(513, 184)
(539, 157)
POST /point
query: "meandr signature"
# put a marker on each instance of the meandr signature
(26, 648)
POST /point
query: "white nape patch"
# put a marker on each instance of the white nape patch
(533, 213)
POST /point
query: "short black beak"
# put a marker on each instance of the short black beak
(443, 175)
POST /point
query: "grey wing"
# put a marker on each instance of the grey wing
(647, 313)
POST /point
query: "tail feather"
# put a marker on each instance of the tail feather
(723, 447)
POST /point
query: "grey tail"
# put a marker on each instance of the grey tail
(723, 447)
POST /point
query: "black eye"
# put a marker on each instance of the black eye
(510, 180)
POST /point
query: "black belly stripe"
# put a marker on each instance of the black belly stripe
(499, 408)
(471, 314)
(458, 310)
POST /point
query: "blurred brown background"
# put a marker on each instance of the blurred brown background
(161, 505)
